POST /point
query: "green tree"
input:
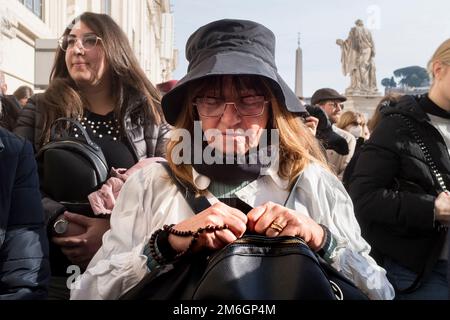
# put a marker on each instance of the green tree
(413, 76)
(386, 82)
(389, 83)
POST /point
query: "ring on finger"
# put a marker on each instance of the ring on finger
(275, 226)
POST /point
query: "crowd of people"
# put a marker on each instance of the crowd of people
(369, 197)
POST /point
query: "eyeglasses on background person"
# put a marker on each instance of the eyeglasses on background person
(336, 105)
(250, 106)
(88, 41)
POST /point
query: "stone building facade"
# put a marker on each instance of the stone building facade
(29, 30)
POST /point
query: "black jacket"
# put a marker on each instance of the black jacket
(145, 140)
(24, 266)
(393, 189)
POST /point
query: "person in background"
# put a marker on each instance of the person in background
(9, 110)
(354, 123)
(328, 138)
(309, 120)
(22, 94)
(365, 128)
(400, 187)
(96, 79)
(228, 91)
(3, 84)
(312, 123)
(369, 128)
(331, 102)
(24, 265)
(165, 87)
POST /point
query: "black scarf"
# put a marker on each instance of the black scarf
(432, 108)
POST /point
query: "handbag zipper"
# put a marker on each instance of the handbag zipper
(294, 241)
(269, 241)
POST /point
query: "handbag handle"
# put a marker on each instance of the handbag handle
(78, 126)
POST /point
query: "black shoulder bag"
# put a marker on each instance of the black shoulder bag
(251, 268)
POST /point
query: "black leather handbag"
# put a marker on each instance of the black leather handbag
(262, 268)
(71, 167)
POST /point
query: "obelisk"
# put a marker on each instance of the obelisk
(299, 70)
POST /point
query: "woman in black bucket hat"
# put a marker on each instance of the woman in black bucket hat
(239, 146)
(233, 47)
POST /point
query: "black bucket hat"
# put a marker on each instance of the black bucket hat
(230, 47)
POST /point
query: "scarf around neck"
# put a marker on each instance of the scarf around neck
(231, 169)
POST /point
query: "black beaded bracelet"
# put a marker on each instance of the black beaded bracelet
(164, 247)
(328, 245)
(160, 250)
(154, 252)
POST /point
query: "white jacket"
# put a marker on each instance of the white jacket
(150, 200)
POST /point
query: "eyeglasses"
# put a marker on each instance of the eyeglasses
(336, 105)
(340, 105)
(210, 107)
(88, 41)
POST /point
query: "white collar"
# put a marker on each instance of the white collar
(202, 182)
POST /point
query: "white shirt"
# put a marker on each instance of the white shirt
(150, 200)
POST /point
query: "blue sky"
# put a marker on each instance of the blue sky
(405, 32)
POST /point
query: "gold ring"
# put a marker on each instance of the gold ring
(275, 226)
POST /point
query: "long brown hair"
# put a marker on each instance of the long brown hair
(23, 92)
(298, 147)
(63, 99)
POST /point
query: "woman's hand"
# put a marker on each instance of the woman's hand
(442, 208)
(217, 215)
(80, 248)
(73, 229)
(312, 123)
(274, 220)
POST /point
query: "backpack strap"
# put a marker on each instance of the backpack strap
(197, 204)
(289, 203)
(437, 248)
(80, 128)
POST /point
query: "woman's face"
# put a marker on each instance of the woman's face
(87, 67)
(355, 129)
(226, 128)
(23, 101)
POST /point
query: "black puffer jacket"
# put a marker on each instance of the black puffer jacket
(146, 141)
(24, 266)
(393, 189)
